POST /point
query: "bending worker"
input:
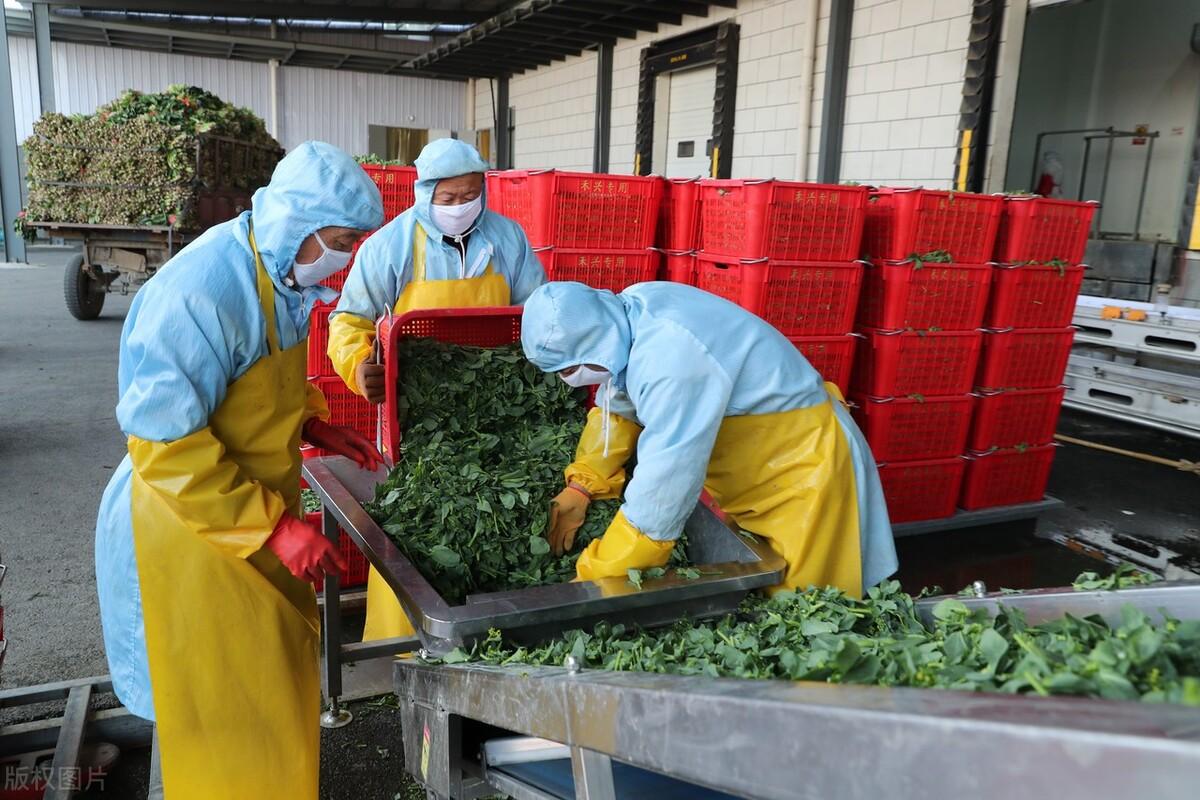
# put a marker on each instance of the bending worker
(203, 559)
(712, 397)
(447, 251)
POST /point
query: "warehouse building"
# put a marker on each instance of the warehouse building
(907, 92)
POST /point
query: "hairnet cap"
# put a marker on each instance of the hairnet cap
(567, 324)
(448, 158)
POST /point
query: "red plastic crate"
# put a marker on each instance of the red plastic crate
(916, 490)
(831, 356)
(679, 214)
(1006, 477)
(800, 298)
(902, 363)
(783, 220)
(319, 365)
(908, 294)
(1033, 296)
(1033, 358)
(914, 428)
(1015, 417)
(1042, 229)
(346, 408)
(396, 187)
(901, 222)
(358, 566)
(679, 267)
(479, 327)
(615, 270)
(580, 209)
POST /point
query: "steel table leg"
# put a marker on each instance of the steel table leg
(593, 775)
(331, 636)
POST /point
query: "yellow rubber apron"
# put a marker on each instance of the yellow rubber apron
(232, 641)
(385, 615)
(789, 477)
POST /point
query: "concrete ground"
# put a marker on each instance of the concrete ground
(59, 443)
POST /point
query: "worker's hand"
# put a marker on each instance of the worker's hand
(304, 550)
(370, 380)
(343, 441)
(567, 512)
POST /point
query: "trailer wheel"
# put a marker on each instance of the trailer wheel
(84, 296)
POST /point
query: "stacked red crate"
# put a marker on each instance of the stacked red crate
(679, 229)
(593, 228)
(925, 293)
(1026, 345)
(786, 251)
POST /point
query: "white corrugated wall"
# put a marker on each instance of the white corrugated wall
(321, 104)
(337, 107)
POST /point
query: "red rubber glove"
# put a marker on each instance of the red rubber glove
(343, 441)
(304, 550)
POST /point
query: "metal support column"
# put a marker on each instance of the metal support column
(331, 635)
(10, 171)
(600, 144)
(503, 129)
(45, 58)
(833, 111)
(979, 84)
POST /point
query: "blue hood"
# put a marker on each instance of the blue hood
(444, 158)
(313, 187)
(567, 324)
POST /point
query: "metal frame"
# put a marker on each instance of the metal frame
(833, 108)
(519, 39)
(739, 567)
(734, 566)
(973, 519)
(66, 733)
(778, 739)
(717, 45)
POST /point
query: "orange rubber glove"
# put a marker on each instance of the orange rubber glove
(567, 512)
(343, 441)
(304, 550)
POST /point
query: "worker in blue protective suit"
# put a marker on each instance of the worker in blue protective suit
(447, 251)
(711, 397)
(203, 558)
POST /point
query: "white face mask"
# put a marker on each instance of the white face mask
(329, 262)
(586, 376)
(456, 220)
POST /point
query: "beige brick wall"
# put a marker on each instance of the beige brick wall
(904, 88)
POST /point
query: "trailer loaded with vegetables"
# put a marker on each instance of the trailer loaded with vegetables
(137, 180)
(686, 681)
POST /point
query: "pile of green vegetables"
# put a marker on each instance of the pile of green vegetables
(142, 159)
(487, 436)
(823, 635)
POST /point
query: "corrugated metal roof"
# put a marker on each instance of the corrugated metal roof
(190, 41)
(449, 11)
(538, 32)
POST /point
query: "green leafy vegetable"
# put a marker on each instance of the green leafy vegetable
(487, 436)
(823, 635)
(1123, 577)
(141, 159)
(310, 501)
